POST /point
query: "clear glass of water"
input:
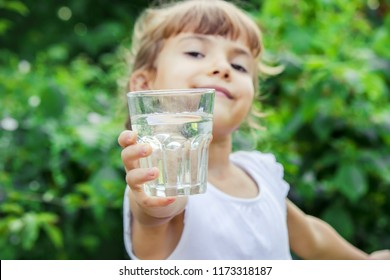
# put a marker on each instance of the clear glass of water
(177, 124)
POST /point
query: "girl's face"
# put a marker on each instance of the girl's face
(207, 61)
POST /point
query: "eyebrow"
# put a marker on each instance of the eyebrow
(204, 38)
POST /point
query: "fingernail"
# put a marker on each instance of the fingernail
(129, 135)
(144, 150)
(151, 172)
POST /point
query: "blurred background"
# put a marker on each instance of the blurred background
(63, 76)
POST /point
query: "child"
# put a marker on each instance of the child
(245, 213)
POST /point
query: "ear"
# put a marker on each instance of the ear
(140, 80)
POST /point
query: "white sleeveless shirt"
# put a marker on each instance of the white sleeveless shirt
(219, 226)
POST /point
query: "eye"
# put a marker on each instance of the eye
(239, 68)
(195, 54)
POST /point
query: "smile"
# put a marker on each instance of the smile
(220, 91)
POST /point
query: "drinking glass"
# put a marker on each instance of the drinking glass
(177, 123)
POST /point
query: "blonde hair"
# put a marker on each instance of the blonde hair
(206, 17)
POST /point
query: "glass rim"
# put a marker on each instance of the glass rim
(152, 92)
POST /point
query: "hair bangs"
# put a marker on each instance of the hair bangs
(212, 20)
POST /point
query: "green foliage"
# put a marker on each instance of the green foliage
(61, 179)
(61, 175)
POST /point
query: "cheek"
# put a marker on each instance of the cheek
(161, 80)
(169, 78)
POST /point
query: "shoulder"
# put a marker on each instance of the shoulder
(266, 161)
(263, 166)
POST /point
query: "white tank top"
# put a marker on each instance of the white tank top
(219, 226)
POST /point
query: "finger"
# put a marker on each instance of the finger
(126, 138)
(131, 154)
(137, 177)
(135, 180)
(146, 201)
(380, 255)
(149, 203)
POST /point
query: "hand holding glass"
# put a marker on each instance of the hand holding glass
(178, 126)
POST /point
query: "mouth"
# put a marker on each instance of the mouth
(220, 91)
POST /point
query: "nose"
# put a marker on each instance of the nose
(221, 70)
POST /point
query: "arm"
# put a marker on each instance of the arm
(157, 222)
(312, 238)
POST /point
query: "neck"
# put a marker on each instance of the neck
(219, 152)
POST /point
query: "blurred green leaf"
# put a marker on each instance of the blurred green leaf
(11, 208)
(15, 6)
(30, 230)
(53, 101)
(340, 219)
(351, 181)
(4, 25)
(54, 234)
